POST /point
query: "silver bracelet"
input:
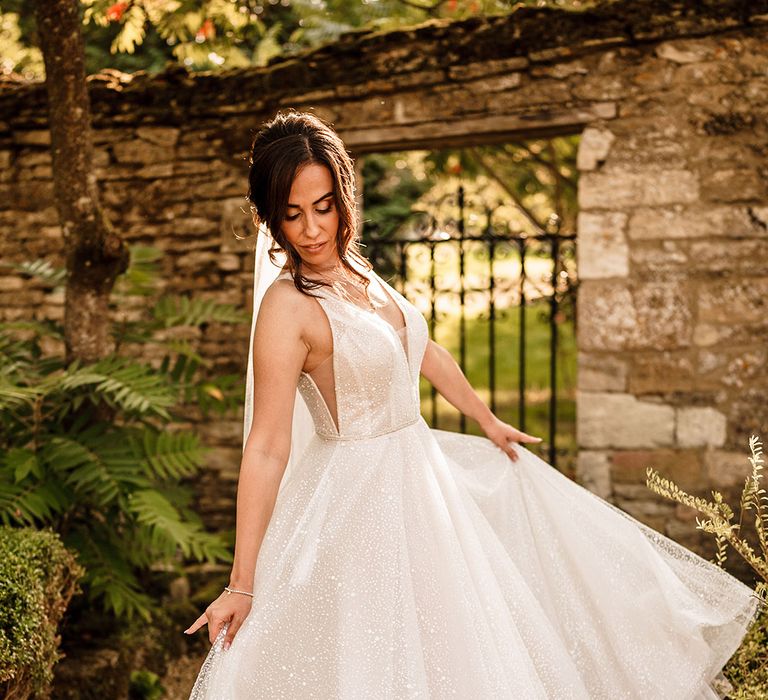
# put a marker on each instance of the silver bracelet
(234, 590)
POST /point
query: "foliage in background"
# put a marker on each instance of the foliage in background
(17, 54)
(146, 685)
(132, 35)
(748, 668)
(114, 490)
(525, 182)
(39, 577)
(523, 186)
(392, 184)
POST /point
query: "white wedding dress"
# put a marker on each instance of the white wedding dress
(408, 562)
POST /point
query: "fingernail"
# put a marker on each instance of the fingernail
(226, 645)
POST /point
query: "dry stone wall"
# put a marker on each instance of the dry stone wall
(670, 99)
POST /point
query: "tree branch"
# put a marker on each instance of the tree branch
(518, 202)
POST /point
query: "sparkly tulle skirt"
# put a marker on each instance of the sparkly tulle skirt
(426, 564)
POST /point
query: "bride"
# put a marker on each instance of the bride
(376, 557)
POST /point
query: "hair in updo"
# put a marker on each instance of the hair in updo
(283, 145)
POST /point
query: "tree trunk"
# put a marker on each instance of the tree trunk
(95, 254)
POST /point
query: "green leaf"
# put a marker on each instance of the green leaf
(41, 269)
(132, 32)
(142, 276)
(21, 462)
(169, 530)
(96, 466)
(170, 455)
(109, 575)
(123, 383)
(30, 503)
(182, 311)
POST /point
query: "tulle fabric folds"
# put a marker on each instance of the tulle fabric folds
(426, 564)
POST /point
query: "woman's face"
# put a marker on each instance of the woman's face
(312, 218)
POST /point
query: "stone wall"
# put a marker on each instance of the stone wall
(671, 102)
(673, 268)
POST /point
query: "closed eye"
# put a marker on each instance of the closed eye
(319, 211)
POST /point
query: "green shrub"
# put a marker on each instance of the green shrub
(39, 577)
(145, 685)
(94, 451)
(747, 669)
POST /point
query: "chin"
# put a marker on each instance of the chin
(323, 258)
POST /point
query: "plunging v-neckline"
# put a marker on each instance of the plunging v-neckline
(402, 340)
(396, 331)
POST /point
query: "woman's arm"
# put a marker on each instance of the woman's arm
(444, 373)
(279, 353)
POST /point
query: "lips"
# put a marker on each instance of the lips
(314, 248)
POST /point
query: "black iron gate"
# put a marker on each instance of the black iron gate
(422, 239)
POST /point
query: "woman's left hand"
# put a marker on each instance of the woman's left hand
(503, 434)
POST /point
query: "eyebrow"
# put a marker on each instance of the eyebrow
(325, 196)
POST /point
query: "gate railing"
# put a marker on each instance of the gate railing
(422, 244)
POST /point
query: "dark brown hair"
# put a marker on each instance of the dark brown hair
(283, 145)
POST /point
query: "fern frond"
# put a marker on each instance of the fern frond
(41, 269)
(174, 311)
(14, 397)
(124, 383)
(30, 503)
(14, 352)
(20, 462)
(142, 276)
(94, 465)
(109, 576)
(169, 531)
(110, 485)
(183, 348)
(170, 455)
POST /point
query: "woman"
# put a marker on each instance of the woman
(378, 558)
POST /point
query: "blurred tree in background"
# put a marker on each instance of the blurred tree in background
(133, 35)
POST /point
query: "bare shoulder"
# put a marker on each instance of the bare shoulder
(284, 304)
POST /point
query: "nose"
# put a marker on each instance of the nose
(312, 226)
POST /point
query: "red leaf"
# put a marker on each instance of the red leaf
(115, 12)
(206, 31)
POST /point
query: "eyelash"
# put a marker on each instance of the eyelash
(319, 211)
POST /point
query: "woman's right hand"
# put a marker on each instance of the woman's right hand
(230, 608)
(503, 434)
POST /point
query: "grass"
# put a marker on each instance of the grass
(507, 274)
(507, 376)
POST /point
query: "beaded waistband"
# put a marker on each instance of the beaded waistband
(356, 438)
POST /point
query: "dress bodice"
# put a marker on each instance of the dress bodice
(375, 373)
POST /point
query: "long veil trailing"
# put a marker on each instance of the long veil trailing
(264, 273)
